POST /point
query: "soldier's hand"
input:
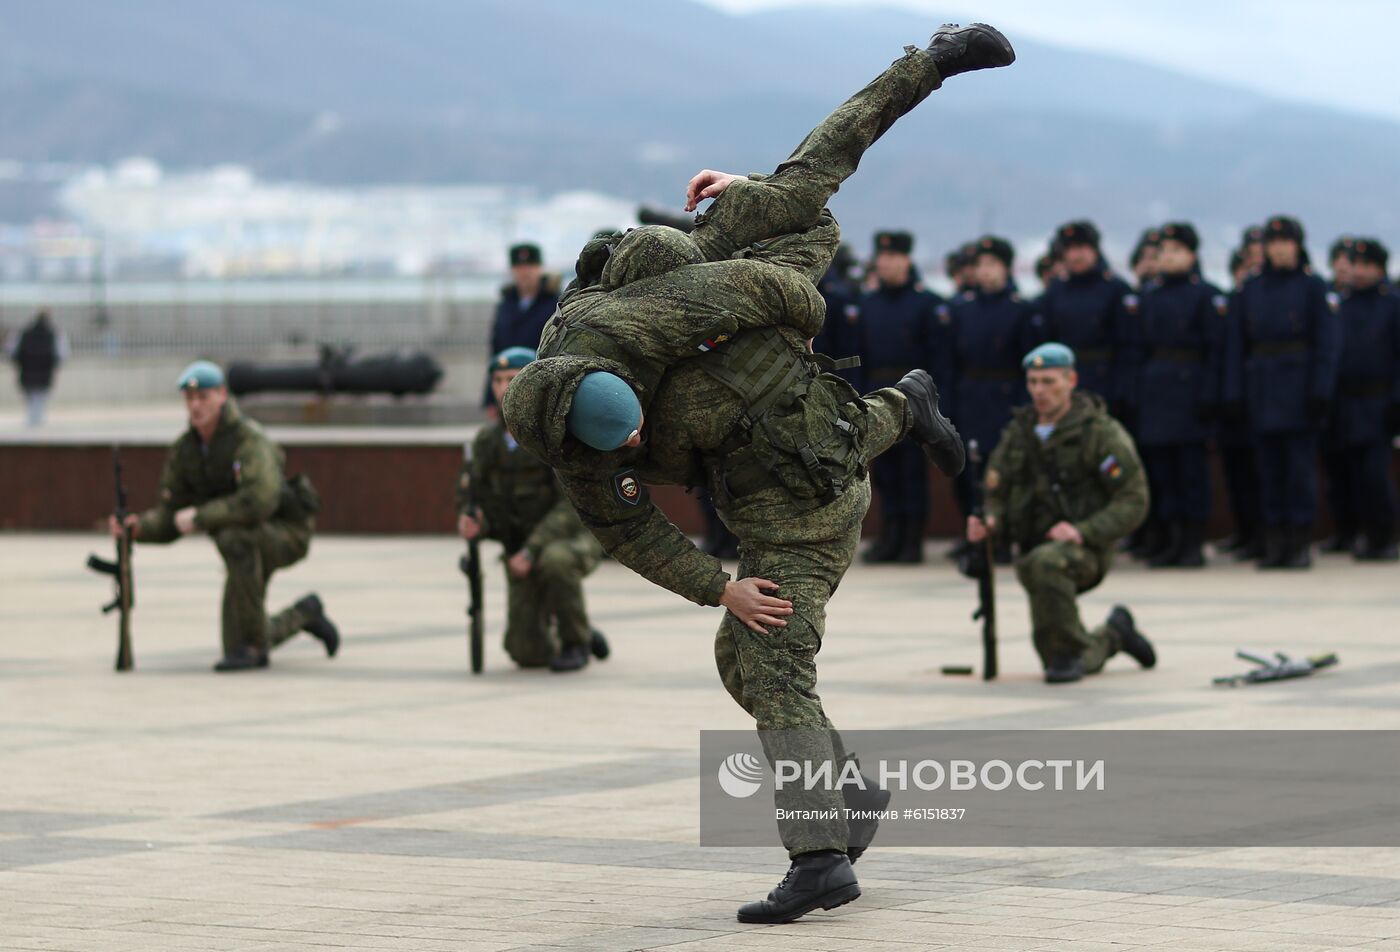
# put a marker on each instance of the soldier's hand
(519, 564)
(132, 521)
(978, 529)
(1065, 532)
(468, 527)
(184, 520)
(746, 600)
(707, 184)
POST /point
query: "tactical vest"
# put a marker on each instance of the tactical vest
(794, 434)
(516, 491)
(1051, 483)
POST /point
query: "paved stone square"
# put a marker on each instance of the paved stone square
(389, 800)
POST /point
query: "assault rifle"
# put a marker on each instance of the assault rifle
(1278, 668)
(470, 564)
(120, 570)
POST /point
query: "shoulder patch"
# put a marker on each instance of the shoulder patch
(1111, 468)
(1222, 304)
(628, 488)
(852, 313)
(945, 316)
(1334, 301)
(1130, 301)
(707, 344)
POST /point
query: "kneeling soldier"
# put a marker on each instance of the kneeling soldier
(224, 478)
(1065, 483)
(505, 493)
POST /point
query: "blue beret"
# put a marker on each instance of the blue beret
(513, 358)
(605, 411)
(200, 375)
(1048, 355)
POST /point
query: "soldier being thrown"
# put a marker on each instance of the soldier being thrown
(224, 477)
(1065, 483)
(505, 493)
(783, 446)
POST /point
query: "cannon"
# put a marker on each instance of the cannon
(339, 370)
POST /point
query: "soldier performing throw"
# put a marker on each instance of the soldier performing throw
(782, 445)
(224, 477)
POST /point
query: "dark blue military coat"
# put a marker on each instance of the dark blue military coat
(1284, 349)
(900, 331)
(1368, 382)
(1179, 343)
(1092, 314)
(515, 325)
(988, 335)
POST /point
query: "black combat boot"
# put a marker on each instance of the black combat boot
(1275, 552)
(1167, 555)
(1192, 554)
(1377, 547)
(962, 49)
(820, 880)
(932, 430)
(1131, 641)
(911, 543)
(598, 645)
(245, 660)
(1250, 544)
(317, 624)
(570, 658)
(1340, 542)
(1064, 670)
(887, 544)
(1146, 541)
(1297, 548)
(873, 799)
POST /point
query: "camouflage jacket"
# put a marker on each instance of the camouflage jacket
(764, 248)
(236, 480)
(517, 497)
(1087, 473)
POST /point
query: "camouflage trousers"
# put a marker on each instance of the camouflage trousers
(781, 218)
(251, 554)
(553, 591)
(773, 674)
(1053, 574)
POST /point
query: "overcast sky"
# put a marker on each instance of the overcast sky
(1342, 53)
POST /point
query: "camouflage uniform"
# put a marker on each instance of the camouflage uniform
(521, 506)
(259, 521)
(781, 444)
(1087, 473)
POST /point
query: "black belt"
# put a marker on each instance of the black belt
(1365, 387)
(1181, 355)
(1277, 348)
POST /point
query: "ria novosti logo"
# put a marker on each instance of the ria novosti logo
(740, 775)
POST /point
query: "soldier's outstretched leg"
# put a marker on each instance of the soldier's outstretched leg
(791, 200)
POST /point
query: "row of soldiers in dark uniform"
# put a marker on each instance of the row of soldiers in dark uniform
(1279, 369)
